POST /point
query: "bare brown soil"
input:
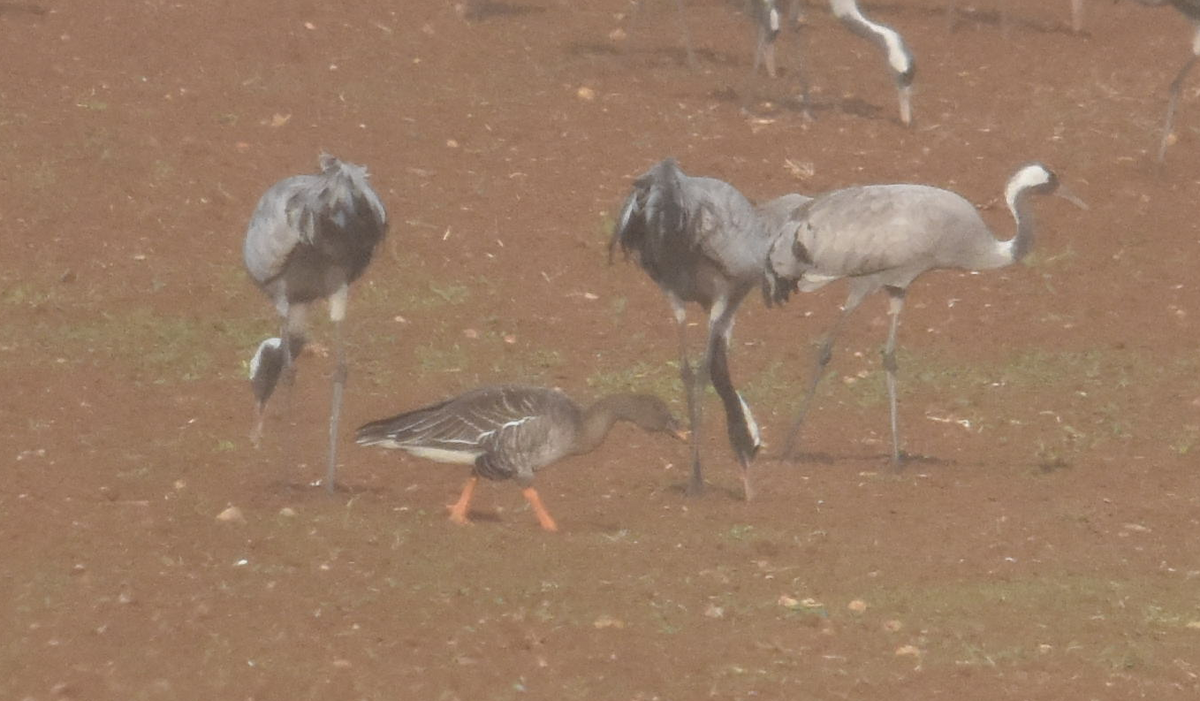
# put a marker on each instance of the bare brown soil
(1040, 544)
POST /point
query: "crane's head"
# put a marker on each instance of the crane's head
(1037, 179)
(265, 367)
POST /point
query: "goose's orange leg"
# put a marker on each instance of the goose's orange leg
(458, 510)
(543, 516)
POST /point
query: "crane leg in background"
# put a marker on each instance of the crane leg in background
(337, 313)
(1173, 102)
(690, 382)
(824, 355)
(895, 306)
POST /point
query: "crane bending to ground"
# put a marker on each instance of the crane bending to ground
(701, 241)
(884, 237)
(310, 237)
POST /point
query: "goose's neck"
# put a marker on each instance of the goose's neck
(599, 418)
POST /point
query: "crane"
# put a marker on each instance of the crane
(310, 237)
(701, 241)
(884, 237)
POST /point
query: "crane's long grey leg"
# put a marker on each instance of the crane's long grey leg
(337, 312)
(1176, 88)
(824, 355)
(895, 305)
(687, 36)
(689, 380)
(294, 325)
(1077, 16)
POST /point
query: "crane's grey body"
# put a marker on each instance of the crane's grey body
(1191, 10)
(884, 237)
(309, 238)
(701, 241)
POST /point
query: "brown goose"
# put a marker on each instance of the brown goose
(512, 431)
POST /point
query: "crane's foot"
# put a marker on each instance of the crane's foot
(695, 487)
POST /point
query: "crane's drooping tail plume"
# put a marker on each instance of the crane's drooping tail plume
(654, 214)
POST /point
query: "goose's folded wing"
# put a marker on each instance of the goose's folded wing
(518, 448)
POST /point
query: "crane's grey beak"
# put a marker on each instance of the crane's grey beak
(1064, 192)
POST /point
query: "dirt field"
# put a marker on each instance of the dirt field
(1040, 544)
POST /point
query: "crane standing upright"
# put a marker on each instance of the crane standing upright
(884, 237)
(701, 241)
(310, 238)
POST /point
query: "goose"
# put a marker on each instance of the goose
(511, 432)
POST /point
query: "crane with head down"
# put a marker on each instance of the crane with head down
(310, 237)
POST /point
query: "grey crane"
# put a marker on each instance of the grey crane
(701, 241)
(884, 237)
(511, 432)
(1191, 10)
(900, 60)
(309, 238)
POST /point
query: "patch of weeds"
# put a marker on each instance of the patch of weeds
(43, 176)
(27, 294)
(432, 359)
(89, 101)
(604, 231)
(1186, 440)
(616, 308)
(533, 367)
(739, 531)
(227, 118)
(1045, 258)
(640, 377)
(161, 172)
(769, 386)
(1050, 458)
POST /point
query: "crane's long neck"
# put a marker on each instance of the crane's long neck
(1018, 203)
(899, 58)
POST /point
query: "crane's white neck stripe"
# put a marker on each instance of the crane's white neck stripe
(1027, 177)
(898, 56)
(751, 424)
